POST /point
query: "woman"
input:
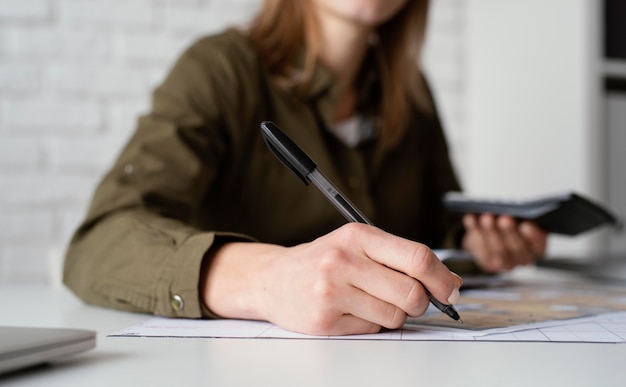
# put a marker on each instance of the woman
(197, 218)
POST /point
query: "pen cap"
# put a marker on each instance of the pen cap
(287, 151)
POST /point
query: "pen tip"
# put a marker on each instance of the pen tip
(460, 321)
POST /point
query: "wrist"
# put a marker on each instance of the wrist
(231, 280)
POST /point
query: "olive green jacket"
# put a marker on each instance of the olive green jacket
(197, 171)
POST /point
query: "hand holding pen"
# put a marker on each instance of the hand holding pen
(306, 169)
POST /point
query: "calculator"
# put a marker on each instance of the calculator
(567, 213)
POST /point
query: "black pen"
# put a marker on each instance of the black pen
(294, 158)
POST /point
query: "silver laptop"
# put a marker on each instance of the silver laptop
(22, 347)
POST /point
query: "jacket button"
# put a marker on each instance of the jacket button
(129, 168)
(177, 302)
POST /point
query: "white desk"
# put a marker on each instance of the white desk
(294, 363)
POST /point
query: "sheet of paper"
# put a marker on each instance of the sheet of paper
(610, 328)
(571, 313)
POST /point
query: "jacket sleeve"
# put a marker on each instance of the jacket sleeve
(136, 249)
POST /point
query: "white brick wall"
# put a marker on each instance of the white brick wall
(30, 10)
(75, 74)
(445, 66)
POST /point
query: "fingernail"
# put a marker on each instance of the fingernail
(454, 297)
(468, 221)
(526, 229)
(460, 281)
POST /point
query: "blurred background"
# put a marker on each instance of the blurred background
(531, 94)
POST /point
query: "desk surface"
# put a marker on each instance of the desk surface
(271, 362)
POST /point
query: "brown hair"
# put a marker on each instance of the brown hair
(283, 26)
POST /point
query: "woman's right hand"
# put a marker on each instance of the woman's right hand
(353, 280)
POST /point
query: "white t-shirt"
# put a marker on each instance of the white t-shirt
(352, 131)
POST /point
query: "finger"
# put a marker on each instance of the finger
(518, 251)
(337, 323)
(392, 287)
(535, 237)
(469, 221)
(361, 304)
(475, 243)
(351, 325)
(412, 258)
(494, 242)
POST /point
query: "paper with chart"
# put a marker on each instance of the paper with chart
(513, 313)
(521, 306)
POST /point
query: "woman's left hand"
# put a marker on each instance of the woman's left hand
(500, 243)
